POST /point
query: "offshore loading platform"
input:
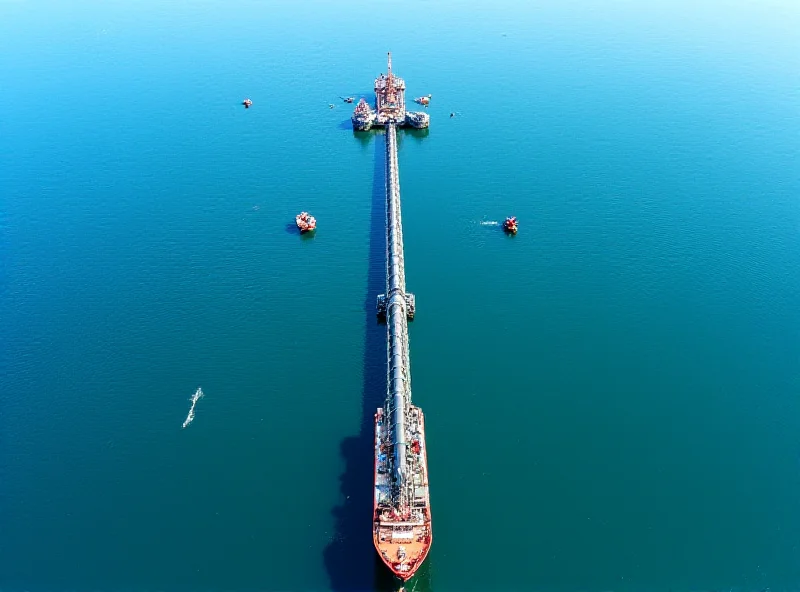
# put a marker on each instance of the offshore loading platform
(390, 105)
(402, 516)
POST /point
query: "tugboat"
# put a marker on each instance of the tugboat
(423, 100)
(247, 103)
(305, 222)
(510, 225)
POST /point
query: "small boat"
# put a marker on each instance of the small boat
(305, 222)
(348, 99)
(510, 225)
(423, 100)
(247, 103)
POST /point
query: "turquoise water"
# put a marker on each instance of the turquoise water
(611, 396)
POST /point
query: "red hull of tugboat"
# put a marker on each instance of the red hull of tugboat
(305, 222)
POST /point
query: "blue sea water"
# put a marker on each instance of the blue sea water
(611, 396)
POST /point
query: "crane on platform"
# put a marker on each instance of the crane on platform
(390, 93)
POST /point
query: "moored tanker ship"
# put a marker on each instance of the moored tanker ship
(402, 533)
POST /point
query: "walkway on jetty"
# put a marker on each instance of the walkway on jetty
(399, 307)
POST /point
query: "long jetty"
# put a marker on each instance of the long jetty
(399, 307)
(402, 520)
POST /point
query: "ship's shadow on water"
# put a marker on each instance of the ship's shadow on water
(416, 134)
(350, 559)
(291, 228)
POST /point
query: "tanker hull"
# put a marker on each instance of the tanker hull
(402, 536)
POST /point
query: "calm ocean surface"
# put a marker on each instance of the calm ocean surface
(612, 396)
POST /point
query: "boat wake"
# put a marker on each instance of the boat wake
(413, 588)
(195, 398)
(489, 223)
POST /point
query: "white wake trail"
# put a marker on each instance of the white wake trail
(195, 398)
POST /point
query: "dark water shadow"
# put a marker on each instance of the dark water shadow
(352, 563)
(373, 135)
(292, 228)
(364, 138)
(417, 134)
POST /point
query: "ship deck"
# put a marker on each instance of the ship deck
(402, 542)
(403, 554)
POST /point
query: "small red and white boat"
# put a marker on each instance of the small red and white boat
(247, 103)
(305, 222)
(423, 100)
(510, 225)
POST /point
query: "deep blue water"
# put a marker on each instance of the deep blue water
(611, 396)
